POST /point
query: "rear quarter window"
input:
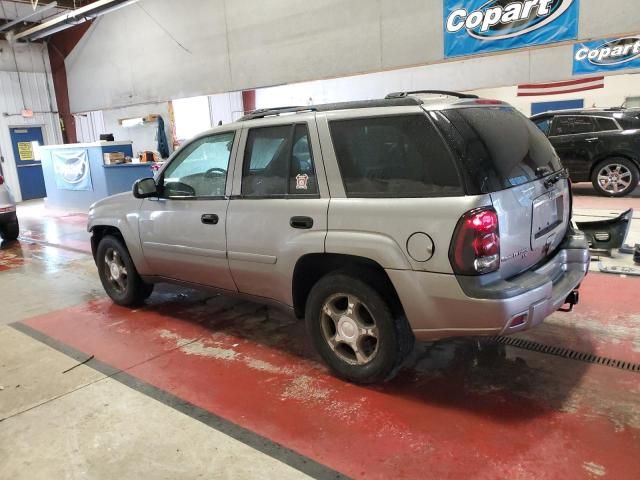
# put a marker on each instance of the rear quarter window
(394, 156)
(605, 124)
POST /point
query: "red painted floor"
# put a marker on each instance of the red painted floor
(459, 408)
(457, 411)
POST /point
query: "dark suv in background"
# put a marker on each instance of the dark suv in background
(600, 146)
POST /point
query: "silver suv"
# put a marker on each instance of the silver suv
(422, 216)
(9, 228)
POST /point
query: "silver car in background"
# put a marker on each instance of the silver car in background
(9, 228)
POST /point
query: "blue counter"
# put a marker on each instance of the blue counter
(75, 174)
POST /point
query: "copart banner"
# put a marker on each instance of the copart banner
(480, 26)
(606, 55)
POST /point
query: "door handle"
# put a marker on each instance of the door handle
(303, 223)
(590, 140)
(209, 219)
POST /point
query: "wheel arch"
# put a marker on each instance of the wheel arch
(98, 232)
(310, 268)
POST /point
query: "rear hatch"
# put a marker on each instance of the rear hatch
(506, 156)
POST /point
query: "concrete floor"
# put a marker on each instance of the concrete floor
(200, 386)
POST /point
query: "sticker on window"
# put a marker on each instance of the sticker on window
(302, 182)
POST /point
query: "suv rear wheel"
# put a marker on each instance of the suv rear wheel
(118, 274)
(10, 231)
(354, 330)
(615, 177)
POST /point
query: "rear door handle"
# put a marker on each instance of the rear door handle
(209, 219)
(590, 140)
(303, 223)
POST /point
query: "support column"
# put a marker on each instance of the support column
(248, 100)
(60, 45)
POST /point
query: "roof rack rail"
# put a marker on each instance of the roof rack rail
(432, 92)
(267, 112)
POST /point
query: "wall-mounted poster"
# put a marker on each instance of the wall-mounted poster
(71, 168)
(479, 26)
(606, 55)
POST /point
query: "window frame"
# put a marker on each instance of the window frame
(179, 155)
(431, 123)
(243, 163)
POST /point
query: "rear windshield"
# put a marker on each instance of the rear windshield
(394, 156)
(500, 147)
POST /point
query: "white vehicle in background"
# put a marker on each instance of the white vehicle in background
(9, 228)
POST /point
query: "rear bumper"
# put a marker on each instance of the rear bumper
(439, 306)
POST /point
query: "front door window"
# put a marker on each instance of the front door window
(200, 170)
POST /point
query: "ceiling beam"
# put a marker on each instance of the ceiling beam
(35, 12)
(74, 17)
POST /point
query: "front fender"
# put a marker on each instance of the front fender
(124, 216)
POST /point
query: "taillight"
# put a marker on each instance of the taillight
(1, 180)
(475, 248)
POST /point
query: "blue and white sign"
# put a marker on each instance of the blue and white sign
(480, 26)
(606, 55)
(71, 169)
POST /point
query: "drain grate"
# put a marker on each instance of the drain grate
(567, 353)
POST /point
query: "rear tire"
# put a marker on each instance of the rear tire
(118, 274)
(354, 330)
(10, 231)
(615, 177)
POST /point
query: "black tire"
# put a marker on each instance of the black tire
(10, 231)
(629, 168)
(394, 337)
(132, 290)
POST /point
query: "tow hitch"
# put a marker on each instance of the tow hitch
(572, 299)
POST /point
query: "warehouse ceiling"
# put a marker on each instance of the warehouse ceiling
(33, 20)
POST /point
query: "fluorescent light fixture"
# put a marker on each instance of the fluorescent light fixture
(132, 122)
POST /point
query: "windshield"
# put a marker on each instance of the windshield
(501, 148)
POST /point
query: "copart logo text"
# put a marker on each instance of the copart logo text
(502, 19)
(612, 52)
(73, 171)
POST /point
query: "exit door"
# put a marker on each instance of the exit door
(25, 141)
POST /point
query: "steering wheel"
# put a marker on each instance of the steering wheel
(215, 172)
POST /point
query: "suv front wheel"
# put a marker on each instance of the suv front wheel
(615, 177)
(118, 274)
(354, 330)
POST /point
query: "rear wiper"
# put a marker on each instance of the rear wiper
(543, 171)
(556, 177)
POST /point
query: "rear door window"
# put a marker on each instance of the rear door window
(572, 125)
(394, 156)
(500, 147)
(278, 162)
(605, 124)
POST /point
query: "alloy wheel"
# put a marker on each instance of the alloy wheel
(349, 329)
(115, 270)
(614, 178)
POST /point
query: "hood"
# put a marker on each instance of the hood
(118, 199)
(112, 210)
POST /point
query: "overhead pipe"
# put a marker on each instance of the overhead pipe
(74, 17)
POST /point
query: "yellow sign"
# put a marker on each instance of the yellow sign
(25, 150)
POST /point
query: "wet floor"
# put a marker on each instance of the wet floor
(462, 407)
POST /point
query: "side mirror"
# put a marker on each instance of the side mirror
(145, 188)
